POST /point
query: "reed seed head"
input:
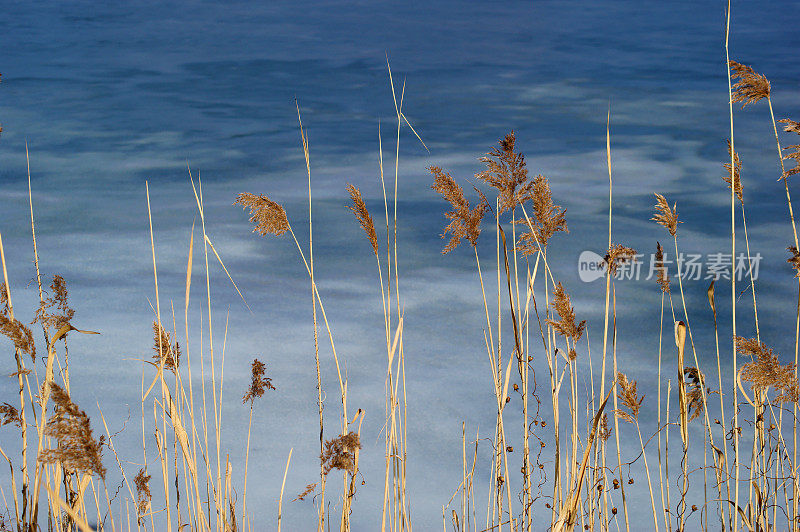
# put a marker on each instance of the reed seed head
(666, 216)
(359, 208)
(340, 453)
(750, 87)
(166, 352)
(77, 450)
(737, 169)
(548, 218)
(258, 383)
(663, 277)
(9, 415)
(506, 171)
(695, 382)
(794, 260)
(765, 371)
(616, 256)
(794, 151)
(18, 333)
(566, 325)
(143, 495)
(465, 222)
(268, 216)
(629, 398)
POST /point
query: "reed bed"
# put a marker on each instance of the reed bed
(722, 453)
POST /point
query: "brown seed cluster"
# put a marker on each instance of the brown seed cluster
(18, 333)
(258, 383)
(340, 453)
(663, 277)
(765, 371)
(794, 150)
(794, 260)
(143, 495)
(617, 256)
(166, 352)
(9, 414)
(629, 398)
(666, 216)
(750, 87)
(465, 222)
(359, 208)
(695, 382)
(737, 169)
(506, 171)
(77, 450)
(566, 325)
(269, 216)
(548, 218)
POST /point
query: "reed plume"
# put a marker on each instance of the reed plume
(143, 495)
(77, 450)
(62, 314)
(548, 218)
(766, 371)
(359, 209)
(794, 260)
(695, 382)
(617, 256)
(506, 171)
(662, 276)
(750, 87)
(268, 216)
(166, 352)
(737, 169)
(340, 453)
(258, 383)
(666, 216)
(629, 398)
(465, 222)
(566, 325)
(9, 415)
(18, 333)
(794, 150)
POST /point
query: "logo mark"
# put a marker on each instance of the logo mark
(590, 267)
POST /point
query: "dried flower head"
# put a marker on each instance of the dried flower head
(340, 453)
(62, 314)
(3, 299)
(143, 495)
(616, 256)
(737, 170)
(258, 383)
(166, 352)
(605, 430)
(464, 222)
(506, 171)
(695, 382)
(663, 277)
(566, 325)
(750, 87)
(794, 151)
(547, 220)
(666, 216)
(629, 398)
(269, 217)
(306, 492)
(18, 333)
(765, 371)
(359, 208)
(9, 414)
(794, 260)
(77, 450)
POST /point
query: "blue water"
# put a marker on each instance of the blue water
(108, 95)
